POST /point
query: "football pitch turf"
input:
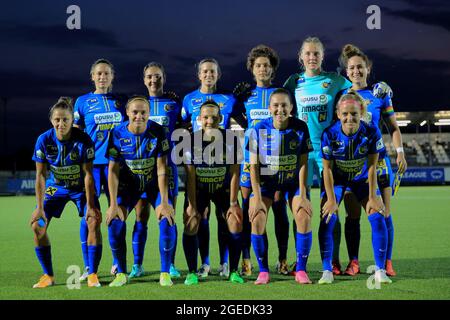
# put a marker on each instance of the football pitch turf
(421, 257)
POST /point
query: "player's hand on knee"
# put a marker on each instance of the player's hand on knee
(235, 211)
(165, 210)
(329, 208)
(255, 209)
(375, 205)
(94, 213)
(112, 213)
(36, 215)
(300, 202)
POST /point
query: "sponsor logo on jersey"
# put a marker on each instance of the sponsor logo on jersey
(168, 107)
(281, 160)
(380, 144)
(326, 150)
(351, 166)
(100, 136)
(108, 117)
(90, 153)
(113, 152)
(363, 149)
(305, 117)
(244, 178)
(259, 114)
(293, 144)
(73, 156)
(40, 154)
(165, 145)
(72, 172)
(139, 164)
(52, 150)
(323, 116)
(150, 146)
(314, 100)
(51, 191)
(326, 84)
(92, 102)
(125, 142)
(221, 105)
(300, 80)
(210, 172)
(196, 101)
(162, 120)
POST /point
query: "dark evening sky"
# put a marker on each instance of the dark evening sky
(41, 59)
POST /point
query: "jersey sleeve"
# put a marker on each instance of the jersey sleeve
(185, 114)
(88, 151)
(114, 147)
(306, 146)
(388, 110)
(78, 113)
(376, 143)
(163, 143)
(39, 151)
(325, 147)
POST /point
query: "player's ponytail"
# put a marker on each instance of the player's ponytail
(64, 103)
(350, 51)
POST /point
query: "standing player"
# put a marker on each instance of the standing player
(314, 91)
(358, 68)
(165, 111)
(208, 73)
(138, 170)
(97, 113)
(253, 102)
(68, 153)
(279, 149)
(346, 146)
(212, 175)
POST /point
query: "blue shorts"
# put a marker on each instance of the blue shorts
(129, 198)
(315, 165)
(173, 179)
(288, 191)
(245, 175)
(360, 189)
(100, 173)
(56, 198)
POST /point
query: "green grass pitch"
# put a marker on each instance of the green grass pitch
(421, 257)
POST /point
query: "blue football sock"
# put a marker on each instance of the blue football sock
(203, 240)
(379, 238)
(246, 229)
(95, 253)
(352, 237)
(117, 241)
(139, 240)
(223, 235)
(390, 232)
(174, 251)
(84, 231)
(166, 243)
(303, 242)
(337, 231)
(235, 250)
(326, 241)
(44, 255)
(190, 248)
(259, 246)
(281, 221)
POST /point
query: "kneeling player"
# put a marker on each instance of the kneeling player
(346, 146)
(69, 153)
(212, 175)
(279, 149)
(138, 171)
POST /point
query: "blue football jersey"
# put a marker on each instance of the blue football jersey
(279, 151)
(349, 153)
(65, 158)
(137, 154)
(98, 114)
(165, 112)
(314, 97)
(192, 102)
(212, 160)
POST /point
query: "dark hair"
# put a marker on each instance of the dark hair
(211, 60)
(350, 51)
(263, 51)
(136, 98)
(156, 65)
(281, 91)
(102, 60)
(210, 103)
(64, 103)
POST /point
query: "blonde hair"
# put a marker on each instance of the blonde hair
(352, 95)
(314, 40)
(137, 98)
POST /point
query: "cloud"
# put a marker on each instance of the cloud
(433, 18)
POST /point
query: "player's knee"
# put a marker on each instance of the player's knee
(259, 222)
(191, 225)
(92, 223)
(302, 218)
(234, 225)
